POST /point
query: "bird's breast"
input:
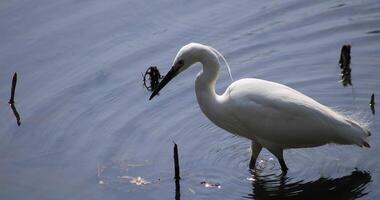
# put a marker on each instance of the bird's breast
(217, 111)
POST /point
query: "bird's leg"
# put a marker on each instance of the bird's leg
(256, 148)
(279, 155)
(283, 165)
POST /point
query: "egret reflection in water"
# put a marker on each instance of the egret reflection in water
(281, 187)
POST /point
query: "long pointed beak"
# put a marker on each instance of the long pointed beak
(169, 76)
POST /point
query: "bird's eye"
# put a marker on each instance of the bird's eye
(180, 63)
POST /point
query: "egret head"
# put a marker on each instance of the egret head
(186, 56)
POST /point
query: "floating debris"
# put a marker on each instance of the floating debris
(139, 181)
(208, 184)
(191, 190)
(153, 76)
(113, 173)
(12, 99)
(344, 62)
(135, 180)
(372, 103)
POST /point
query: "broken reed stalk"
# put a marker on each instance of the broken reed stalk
(17, 115)
(372, 103)
(177, 190)
(13, 89)
(344, 62)
(176, 163)
(345, 56)
(12, 99)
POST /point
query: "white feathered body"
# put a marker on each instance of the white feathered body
(277, 116)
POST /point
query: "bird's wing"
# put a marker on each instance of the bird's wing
(277, 113)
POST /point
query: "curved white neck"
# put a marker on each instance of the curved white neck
(209, 101)
(205, 84)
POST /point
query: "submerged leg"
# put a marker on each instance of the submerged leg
(256, 148)
(279, 155)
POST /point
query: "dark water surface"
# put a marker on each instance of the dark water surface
(88, 130)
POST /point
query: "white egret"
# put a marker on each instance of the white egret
(272, 115)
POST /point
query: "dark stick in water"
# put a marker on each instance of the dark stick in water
(176, 172)
(176, 163)
(372, 103)
(13, 89)
(16, 114)
(345, 56)
(344, 62)
(177, 190)
(12, 99)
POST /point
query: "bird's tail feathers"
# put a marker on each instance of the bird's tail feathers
(358, 134)
(366, 144)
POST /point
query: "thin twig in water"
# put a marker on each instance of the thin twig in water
(17, 115)
(13, 89)
(12, 99)
(372, 103)
(176, 163)
(176, 172)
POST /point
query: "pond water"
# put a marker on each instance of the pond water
(88, 130)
